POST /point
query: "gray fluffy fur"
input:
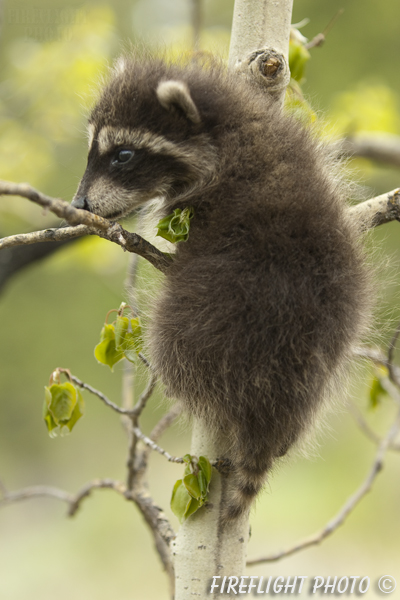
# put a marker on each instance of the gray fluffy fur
(261, 306)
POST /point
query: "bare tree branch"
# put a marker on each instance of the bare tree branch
(85, 492)
(141, 403)
(372, 213)
(390, 353)
(384, 148)
(348, 507)
(160, 527)
(319, 39)
(132, 242)
(196, 8)
(103, 397)
(74, 501)
(376, 211)
(154, 515)
(144, 360)
(137, 485)
(14, 259)
(132, 413)
(378, 357)
(379, 210)
(34, 491)
(391, 384)
(64, 210)
(165, 422)
(390, 388)
(366, 429)
(132, 462)
(146, 440)
(61, 234)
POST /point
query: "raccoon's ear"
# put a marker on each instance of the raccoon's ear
(177, 93)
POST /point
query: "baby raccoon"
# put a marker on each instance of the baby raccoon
(261, 306)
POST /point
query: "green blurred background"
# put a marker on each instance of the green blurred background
(52, 55)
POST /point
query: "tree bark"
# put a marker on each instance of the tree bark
(202, 548)
(260, 42)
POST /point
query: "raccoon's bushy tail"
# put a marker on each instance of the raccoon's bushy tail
(247, 475)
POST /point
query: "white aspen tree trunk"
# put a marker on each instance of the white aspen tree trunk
(259, 24)
(202, 548)
(260, 42)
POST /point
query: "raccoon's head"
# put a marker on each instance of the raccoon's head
(146, 139)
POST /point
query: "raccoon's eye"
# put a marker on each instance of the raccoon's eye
(123, 156)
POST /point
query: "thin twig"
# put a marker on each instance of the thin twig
(144, 360)
(378, 357)
(144, 502)
(141, 403)
(132, 242)
(366, 429)
(35, 491)
(85, 492)
(165, 422)
(390, 388)
(127, 396)
(155, 518)
(46, 235)
(196, 23)
(128, 392)
(64, 210)
(137, 463)
(160, 528)
(129, 412)
(319, 39)
(146, 440)
(373, 212)
(348, 507)
(390, 352)
(74, 501)
(383, 148)
(130, 282)
(103, 397)
(128, 388)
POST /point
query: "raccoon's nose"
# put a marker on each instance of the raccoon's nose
(81, 202)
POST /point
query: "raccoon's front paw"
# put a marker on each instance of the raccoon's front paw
(223, 465)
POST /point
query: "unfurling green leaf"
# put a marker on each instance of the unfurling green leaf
(63, 407)
(120, 330)
(206, 468)
(191, 492)
(191, 483)
(298, 57)
(376, 392)
(106, 351)
(203, 485)
(192, 507)
(122, 340)
(180, 500)
(175, 227)
(133, 341)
